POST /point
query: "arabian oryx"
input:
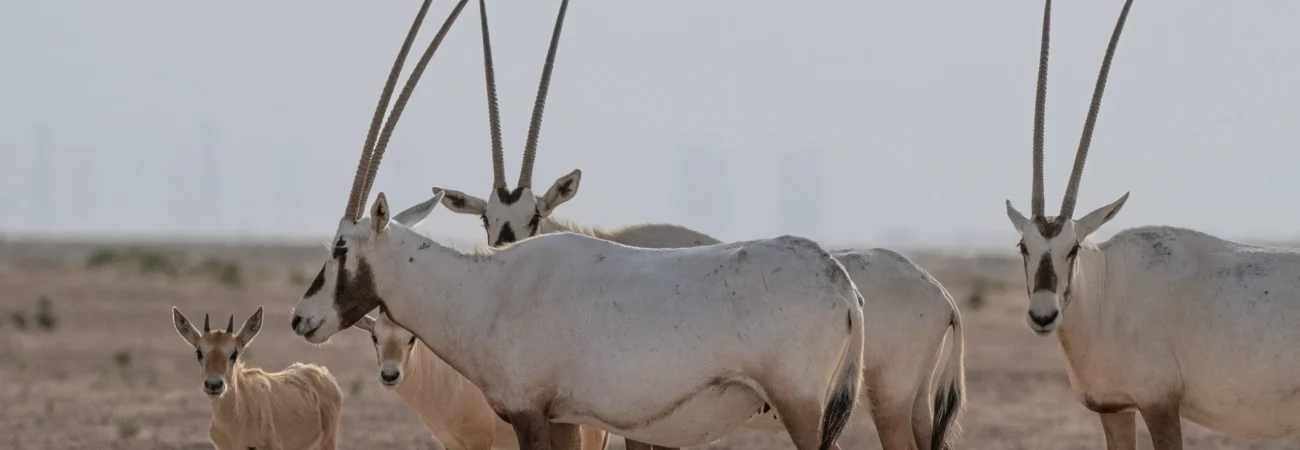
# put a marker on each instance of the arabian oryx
(545, 326)
(1164, 321)
(910, 312)
(297, 408)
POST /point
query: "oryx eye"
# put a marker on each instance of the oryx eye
(485, 221)
(1023, 250)
(1074, 251)
(234, 355)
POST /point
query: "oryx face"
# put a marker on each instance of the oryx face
(1050, 247)
(511, 215)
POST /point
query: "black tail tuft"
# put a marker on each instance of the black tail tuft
(841, 404)
(946, 405)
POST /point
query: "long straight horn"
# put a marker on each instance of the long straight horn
(1040, 113)
(230, 326)
(494, 114)
(206, 327)
(1072, 189)
(400, 104)
(353, 211)
(530, 148)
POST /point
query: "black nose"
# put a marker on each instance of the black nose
(213, 385)
(389, 377)
(297, 319)
(1044, 320)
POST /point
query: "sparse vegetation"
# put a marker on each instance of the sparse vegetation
(19, 319)
(127, 429)
(46, 318)
(978, 291)
(147, 261)
(298, 278)
(355, 387)
(122, 358)
(224, 271)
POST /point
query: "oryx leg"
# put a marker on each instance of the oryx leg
(1163, 423)
(923, 411)
(565, 436)
(533, 430)
(635, 445)
(891, 410)
(1121, 430)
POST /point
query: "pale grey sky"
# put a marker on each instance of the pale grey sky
(919, 114)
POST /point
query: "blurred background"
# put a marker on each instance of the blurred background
(158, 153)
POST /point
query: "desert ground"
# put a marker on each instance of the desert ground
(89, 358)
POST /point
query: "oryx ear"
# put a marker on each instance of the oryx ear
(414, 215)
(1094, 220)
(184, 328)
(366, 323)
(564, 189)
(250, 329)
(1018, 220)
(379, 214)
(460, 202)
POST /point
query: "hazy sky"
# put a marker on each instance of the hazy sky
(919, 112)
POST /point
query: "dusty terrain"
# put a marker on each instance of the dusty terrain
(101, 367)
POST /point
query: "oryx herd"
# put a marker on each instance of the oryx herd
(554, 335)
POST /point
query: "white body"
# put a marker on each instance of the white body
(671, 347)
(1161, 314)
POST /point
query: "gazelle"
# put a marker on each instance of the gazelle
(297, 408)
(1164, 321)
(545, 327)
(910, 312)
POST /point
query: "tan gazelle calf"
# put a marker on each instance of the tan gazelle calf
(294, 409)
(452, 407)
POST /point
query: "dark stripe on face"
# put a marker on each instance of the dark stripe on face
(316, 284)
(355, 296)
(506, 236)
(1049, 227)
(1045, 279)
(508, 197)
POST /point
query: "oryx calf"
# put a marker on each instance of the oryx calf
(297, 408)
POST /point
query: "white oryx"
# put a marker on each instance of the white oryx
(670, 347)
(1164, 321)
(909, 311)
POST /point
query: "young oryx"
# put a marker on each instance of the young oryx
(1164, 321)
(294, 409)
(910, 311)
(452, 407)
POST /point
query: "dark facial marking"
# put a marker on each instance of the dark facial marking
(1049, 228)
(316, 284)
(534, 223)
(508, 197)
(506, 236)
(1045, 279)
(355, 296)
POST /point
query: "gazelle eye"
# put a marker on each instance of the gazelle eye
(234, 355)
(411, 341)
(1023, 250)
(199, 352)
(374, 339)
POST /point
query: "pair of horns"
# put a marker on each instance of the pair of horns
(230, 327)
(494, 115)
(376, 141)
(1072, 189)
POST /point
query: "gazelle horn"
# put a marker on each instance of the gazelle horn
(535, 127)
(1072, 189)
(230, 326)
(373, 152)
(206, 328)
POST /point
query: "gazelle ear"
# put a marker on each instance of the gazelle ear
(564, 189)
(1089, 224)
(366, 323)
(379, 215)
(1018, 220)
(184, 328)
(250, 329)
(460, 202)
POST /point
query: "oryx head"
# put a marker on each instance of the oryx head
(1050, 244)
(393, 346)
(344, 290)
(218, 350)
(512, 214)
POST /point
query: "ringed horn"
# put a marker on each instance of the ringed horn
(376, 141)
(1072, 189)
(494, 119)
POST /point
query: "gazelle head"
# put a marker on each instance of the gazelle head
(393, 346)
(344, 290)
(512, 214)
(218, 350)
(1050, 244)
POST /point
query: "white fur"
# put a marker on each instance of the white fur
(672, 347)
(1173, 322)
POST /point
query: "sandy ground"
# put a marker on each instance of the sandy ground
(107, 370)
